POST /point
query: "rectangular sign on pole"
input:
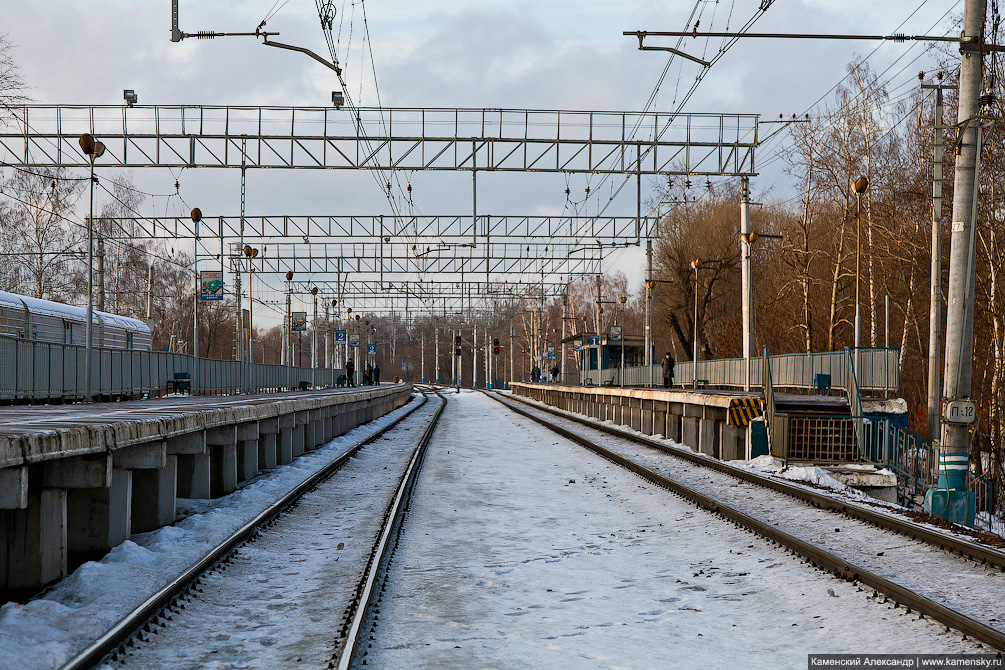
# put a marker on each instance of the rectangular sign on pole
(211, 285)
(615, 333)
(371, 348)
(595, 341)
(340, 337)
(298, 321)
(354, 340)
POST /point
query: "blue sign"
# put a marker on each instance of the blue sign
(340, 336)
(595, 341)
(371, 348)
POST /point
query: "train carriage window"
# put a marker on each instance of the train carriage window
(129, 339)
(67, 332)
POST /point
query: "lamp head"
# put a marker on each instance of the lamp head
(860, 185)
(289, 275)
(196, 214)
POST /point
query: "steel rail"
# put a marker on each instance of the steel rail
(123, 629)
(971, 550)
(817, 556)
(392, 517)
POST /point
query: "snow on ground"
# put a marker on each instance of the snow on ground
(522, 550)
(45, 632)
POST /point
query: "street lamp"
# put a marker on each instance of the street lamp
(287, 332)
(196, 218)
(93, 149)
(695, 265)
(314, 340)
(859, 186)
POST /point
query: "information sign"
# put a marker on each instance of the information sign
(211, 285)
(298, 321)
(354, 340)
(340, 337)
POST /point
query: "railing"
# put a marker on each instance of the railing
(33, 371)
(879, 371)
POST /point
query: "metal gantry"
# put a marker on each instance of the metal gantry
(496, 140)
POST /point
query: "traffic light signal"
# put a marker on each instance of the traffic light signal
(457, 345)
(495, 346)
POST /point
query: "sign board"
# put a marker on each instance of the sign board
(298, 321)
(960, 411)
(354, 340)
(211, 285)
(340, 337)
(371, 348)
(551, 351)
(615, 334)
(595, 341)
(246, 319)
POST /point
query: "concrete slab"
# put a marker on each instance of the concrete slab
(141, 456)
(83, 472)
(14, 488)
(154, 496)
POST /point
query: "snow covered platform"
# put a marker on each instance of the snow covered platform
(699, 418)
(77, 480)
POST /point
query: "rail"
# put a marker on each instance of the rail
(32, 371)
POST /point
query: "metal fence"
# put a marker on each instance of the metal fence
(33, 371)
(878, 371)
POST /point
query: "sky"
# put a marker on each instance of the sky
(486, 54)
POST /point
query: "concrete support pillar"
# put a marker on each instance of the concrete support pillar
(689, 431)
(13, 488)
(33, 552)
(287, 424)
(154, 502)
(315, 427)
(154, 484)
(733, 440)
(222, 445)
(707, 434)
(268, 443)
(192, 471)
(99, 518)
(299, 433)
(247, 450)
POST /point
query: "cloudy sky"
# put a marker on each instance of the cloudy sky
(548, 54)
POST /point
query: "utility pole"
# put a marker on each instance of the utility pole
(748, 321)
(951, 500)
(649, 309)
(436, 355)
(935, 306)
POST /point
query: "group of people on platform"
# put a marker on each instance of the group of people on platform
(555, 372)
(371, 374)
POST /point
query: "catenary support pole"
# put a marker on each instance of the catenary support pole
(747, 313)
(953, 501)
(935, 304)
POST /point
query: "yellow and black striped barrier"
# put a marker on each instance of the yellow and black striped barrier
(744, 410)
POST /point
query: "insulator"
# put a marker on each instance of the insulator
(409, 188)
(205, 34)
(587, 189)
(899, 37)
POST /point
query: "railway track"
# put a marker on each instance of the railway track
(926, 570)
(135, 633)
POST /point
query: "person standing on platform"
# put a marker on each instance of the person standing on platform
(350, 373)
(376, 374)
(667, 364)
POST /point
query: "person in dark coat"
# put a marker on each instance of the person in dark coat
(667, 364)
(535, 374)
(555, 373)
(350, 373)
(376, 374)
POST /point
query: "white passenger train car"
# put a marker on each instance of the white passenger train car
(47, 321)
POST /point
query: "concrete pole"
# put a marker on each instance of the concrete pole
(959, 315)
(422, 358)
(194, 381)
(649, 311)
(935, 306)
(436, 355)
(747, 312)
(600, 338)
(314, 343)
(88, 335)
(474, 358)
(512, 362)
(565, 315)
